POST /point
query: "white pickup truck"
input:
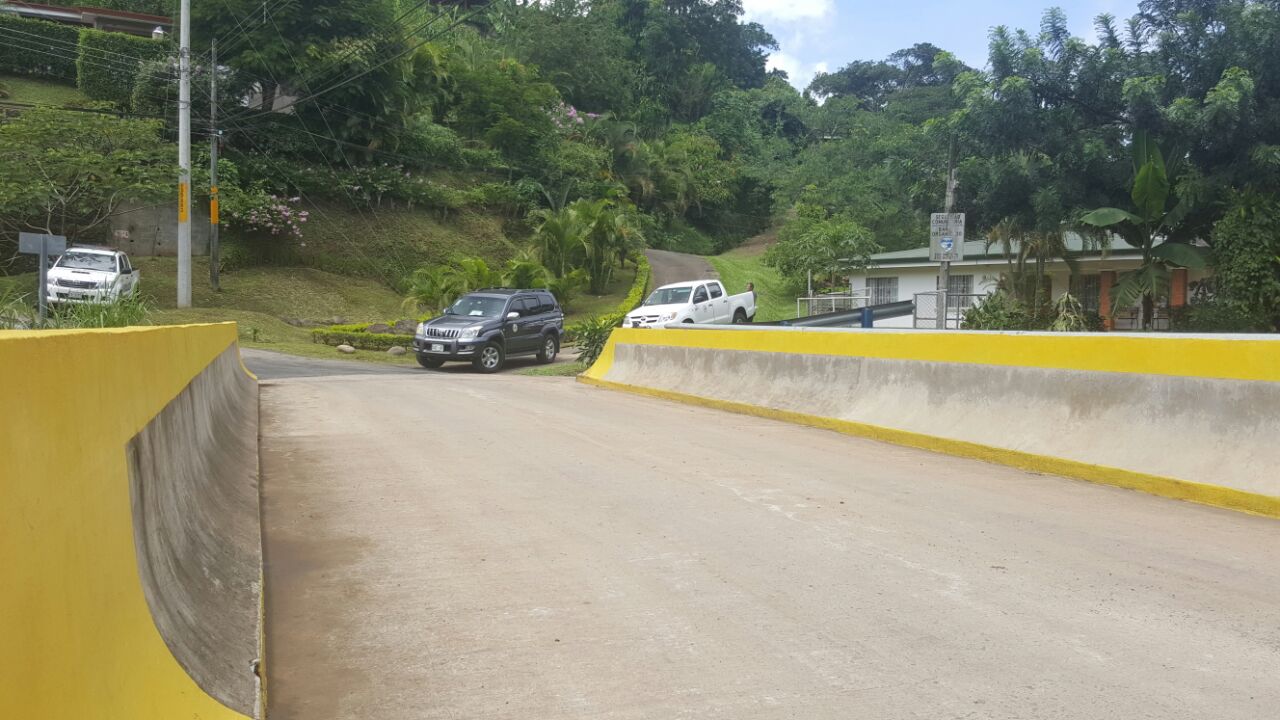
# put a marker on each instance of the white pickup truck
(91, 275)
(701, 301)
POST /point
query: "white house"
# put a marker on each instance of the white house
(901, 275)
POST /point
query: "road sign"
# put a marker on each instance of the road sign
(946, 237)
(30, 243)
(42, 245)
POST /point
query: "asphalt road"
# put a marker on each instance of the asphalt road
(672, 267)
(269, 365)
(463, 546)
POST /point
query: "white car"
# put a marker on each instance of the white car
(91, 275)
(702, 302)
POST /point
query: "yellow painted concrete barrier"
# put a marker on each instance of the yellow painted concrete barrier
(77, 638)
(1188, 417)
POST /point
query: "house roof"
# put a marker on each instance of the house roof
(83, 13)
(977, 251)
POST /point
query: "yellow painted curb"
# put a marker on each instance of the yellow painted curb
(1203, 494)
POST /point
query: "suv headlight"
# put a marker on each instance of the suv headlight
(470, 333)
(668, 317)
(422, 329)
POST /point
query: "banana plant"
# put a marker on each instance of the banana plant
(1148, 227)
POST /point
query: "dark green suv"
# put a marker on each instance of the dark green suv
(488, 326)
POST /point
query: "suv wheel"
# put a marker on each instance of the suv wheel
(489, 359)
(550, 346)
(429, 363)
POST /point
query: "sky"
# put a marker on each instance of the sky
(825, 35)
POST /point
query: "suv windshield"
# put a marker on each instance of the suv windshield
(669, 296)
(478, 306)
(87, 261)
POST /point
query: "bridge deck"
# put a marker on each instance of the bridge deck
(445, 545)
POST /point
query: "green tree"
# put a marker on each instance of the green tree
(819, 242)
(1246, 256)
(67, 173)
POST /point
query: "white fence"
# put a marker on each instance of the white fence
(822, 304)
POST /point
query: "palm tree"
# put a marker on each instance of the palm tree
(1148, 228)
(558, 239)
(433, 288)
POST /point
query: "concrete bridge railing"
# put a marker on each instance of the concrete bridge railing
(129, 533)
(1189, 417)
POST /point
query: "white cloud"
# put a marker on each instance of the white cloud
(798, 72)
(788, 10)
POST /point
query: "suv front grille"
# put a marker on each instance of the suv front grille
(442, 332)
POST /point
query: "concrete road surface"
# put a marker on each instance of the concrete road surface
(268, 365)
(503, 547)
(672, 267)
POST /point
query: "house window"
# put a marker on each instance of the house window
(883, 290)
(1088, 290)
(959, 292)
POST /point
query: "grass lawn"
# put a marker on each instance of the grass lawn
(259, 330)
(283, 293)
(775, 300)
(41, 92)
(568, 369)
(586, 305)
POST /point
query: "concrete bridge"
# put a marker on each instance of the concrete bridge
(732, 524)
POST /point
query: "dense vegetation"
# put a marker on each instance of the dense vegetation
(591, 128)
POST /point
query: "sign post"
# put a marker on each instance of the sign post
(42, 245)
(946, 245)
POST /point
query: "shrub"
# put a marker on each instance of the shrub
(1217, 316)
(1001, 311)
(431, 142)
(113, 81)
(121, 312)
(48, 54)
(356, 337)
(591, 335)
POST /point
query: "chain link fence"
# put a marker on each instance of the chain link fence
(927, 316)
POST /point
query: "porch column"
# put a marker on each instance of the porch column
(1107, 279)
(1178, 288)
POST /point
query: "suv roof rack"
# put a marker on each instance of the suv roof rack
(513, 290)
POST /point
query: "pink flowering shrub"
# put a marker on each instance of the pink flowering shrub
(265, 214)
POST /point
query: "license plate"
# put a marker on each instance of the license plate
(75, 295)
(437, 347)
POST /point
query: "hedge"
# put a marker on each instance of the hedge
(343, 335)
(113, 80)
(51, 54)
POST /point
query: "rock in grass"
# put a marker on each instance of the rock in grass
(380, 328)
(346, 349)
(395, 350)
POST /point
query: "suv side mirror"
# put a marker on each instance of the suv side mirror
(513, 315)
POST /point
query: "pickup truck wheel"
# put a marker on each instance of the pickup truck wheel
(550, 347)
(489, 359)
(429, 363)
(739, 316)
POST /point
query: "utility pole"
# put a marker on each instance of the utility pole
(214, 137)
(184, 156)
(944, 271)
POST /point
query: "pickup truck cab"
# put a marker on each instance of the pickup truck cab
(488, 326)
(91, 275)
(702, 302)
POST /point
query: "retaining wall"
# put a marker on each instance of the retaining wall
(1192, 417)
(129, 532)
